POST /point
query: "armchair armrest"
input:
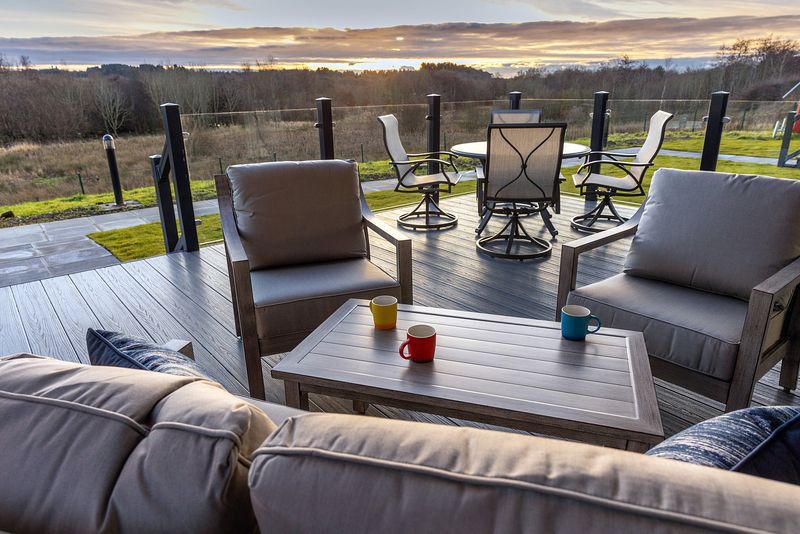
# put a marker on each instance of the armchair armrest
(402, 246)
(570, 252)
(445, 152)
(619, 164)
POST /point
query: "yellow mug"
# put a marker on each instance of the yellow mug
(384, 312)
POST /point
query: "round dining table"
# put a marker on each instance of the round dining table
(477, 150)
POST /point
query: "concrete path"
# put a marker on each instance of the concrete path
(697, 155)
(38, 251)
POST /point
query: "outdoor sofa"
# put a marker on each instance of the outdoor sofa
(105, 449)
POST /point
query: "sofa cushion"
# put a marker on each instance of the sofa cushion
(725, 441)
(344, 473)
(293, 300)
(105, 449)
(298, 212)
(690, 328)
(718, 232)
(778, 457)
(119, 350)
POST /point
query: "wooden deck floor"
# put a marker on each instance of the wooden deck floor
(187, 296)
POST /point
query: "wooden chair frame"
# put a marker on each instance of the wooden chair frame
(771, 332)
(244, 311)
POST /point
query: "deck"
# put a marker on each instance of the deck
(187, 296)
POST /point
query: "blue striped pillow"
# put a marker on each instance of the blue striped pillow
(725, 441)
(119, 350)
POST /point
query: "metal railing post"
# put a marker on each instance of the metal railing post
(715, 120)
(598, 136)
(172, 161)
(514, 99)
(434, 119)
(325, 125)
(783, 156)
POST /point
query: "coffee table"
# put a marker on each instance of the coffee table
(508, 371)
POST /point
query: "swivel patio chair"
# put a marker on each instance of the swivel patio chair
(629, 185)
(523, 166)
(711, 280)
(291, 268)
(503, 116)
(430, 185)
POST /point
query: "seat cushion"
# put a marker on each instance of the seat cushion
(714, 231)
(725, 441)
(346, 473)
(105, 449)
(291, 212)
(694, 329)
(625, 183)
(295, 300)
(119, 350)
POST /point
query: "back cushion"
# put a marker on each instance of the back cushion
(294, 212)
(717, 232)
(104, 449)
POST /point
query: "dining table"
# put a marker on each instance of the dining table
(477, 150)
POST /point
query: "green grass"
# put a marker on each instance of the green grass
(146, 240)
(686, 163)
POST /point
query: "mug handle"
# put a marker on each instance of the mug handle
(403, 346)
(599, 324)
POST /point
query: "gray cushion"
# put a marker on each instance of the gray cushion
(297, 299)
(277, 413)
(694, 329)
(298, 212)
(105, 449)
(719, 232)
(344, 473)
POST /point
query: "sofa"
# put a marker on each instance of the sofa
(105, 449)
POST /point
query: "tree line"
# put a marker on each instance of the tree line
(58, 104)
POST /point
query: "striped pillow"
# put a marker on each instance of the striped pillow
(119, 350)
(725, 441)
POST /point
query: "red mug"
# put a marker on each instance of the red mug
(421, 343)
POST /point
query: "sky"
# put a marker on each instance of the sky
(499, 35)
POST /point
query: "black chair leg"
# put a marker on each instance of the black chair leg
(548, 223)
(513, 234)
(586, 222)
(435, 218)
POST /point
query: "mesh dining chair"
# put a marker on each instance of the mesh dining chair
(503, 116)
(430, 185)
(629, 185)
(523, 166)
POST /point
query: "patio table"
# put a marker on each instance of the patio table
(502, 370)
(477, 150)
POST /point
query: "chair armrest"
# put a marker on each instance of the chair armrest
(402, 246)
(230, 233)
(479, 173)
(568, 271)
(445, 152)
(421, 161)
(784, 281)
(612, 154)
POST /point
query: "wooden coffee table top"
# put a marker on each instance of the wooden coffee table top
(505, 370)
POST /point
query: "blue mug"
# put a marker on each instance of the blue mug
(575, 321)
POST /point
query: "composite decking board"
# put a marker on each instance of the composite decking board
(72, 310)
(106, 306)
(200, 323)
(12, 332)
(164, 326)
(201, 294)
(45, 333)
(194, 264)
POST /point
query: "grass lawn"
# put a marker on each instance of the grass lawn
(146, 240)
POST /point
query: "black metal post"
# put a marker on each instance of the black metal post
(434, 128)
(514, 99)
(784, 156)
(325, 125)
(113, 169)
(173, 161)
(715, 120)
(598, 136)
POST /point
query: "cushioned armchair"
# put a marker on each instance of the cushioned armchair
(296, 237)
(711, 279)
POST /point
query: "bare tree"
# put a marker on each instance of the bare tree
(112, 105)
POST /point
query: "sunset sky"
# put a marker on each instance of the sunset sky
(499, 35)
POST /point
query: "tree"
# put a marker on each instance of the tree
(111, 104)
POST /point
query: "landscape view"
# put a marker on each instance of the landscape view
(463, 266)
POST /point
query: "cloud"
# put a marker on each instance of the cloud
(529, 43)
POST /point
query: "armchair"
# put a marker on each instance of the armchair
(630, 185)
(714, 293)
(289, 271)
(430, 185)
